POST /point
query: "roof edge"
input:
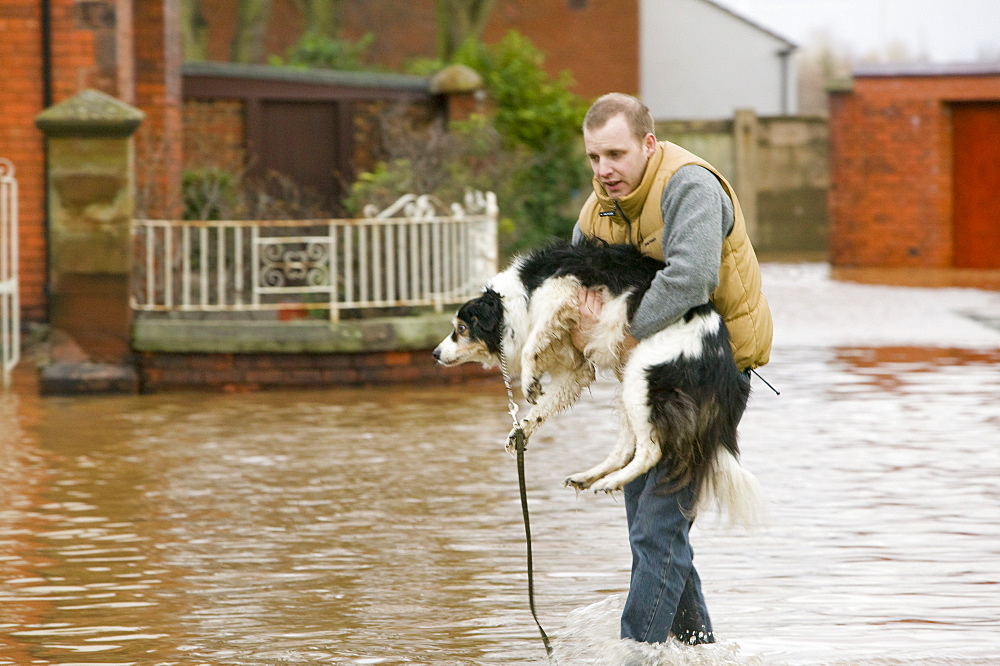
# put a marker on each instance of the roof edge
(875, 70)
(735, 14)
(317, 76)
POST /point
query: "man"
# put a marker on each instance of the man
(675, 207)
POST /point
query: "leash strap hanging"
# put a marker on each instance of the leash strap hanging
(519, 443)
(776, 391)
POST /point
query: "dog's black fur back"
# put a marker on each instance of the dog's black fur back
(595, 263)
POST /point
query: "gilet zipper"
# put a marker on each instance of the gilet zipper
(628, 222)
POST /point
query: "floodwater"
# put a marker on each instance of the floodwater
(383, 526)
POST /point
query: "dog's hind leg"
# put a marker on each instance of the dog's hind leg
(620, 456)
(636, 413)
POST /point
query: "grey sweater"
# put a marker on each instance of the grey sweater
(697, 217)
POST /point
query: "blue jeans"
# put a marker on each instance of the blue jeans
(664, 596)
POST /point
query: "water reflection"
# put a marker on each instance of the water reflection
(383, 526)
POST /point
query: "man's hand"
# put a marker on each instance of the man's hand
(591, 305)
(590, 313)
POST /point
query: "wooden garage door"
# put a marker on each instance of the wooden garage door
(976, 189)
(302, 141)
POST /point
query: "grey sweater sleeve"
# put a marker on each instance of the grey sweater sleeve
(697, 217)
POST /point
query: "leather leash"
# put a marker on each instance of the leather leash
(520, 441)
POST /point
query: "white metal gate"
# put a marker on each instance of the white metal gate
(10, 309)
(417, 252)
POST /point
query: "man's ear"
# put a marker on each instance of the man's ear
(649, 144)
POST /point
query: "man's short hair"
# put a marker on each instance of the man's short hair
(637, 114)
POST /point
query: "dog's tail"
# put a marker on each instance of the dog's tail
(734, 491)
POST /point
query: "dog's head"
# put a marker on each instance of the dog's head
(478, 330)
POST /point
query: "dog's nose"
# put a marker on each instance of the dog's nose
(437, 353)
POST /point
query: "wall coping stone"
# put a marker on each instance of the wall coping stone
(926, 69)
(292, 337)
(90, 113)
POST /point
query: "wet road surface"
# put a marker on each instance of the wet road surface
(382, 526)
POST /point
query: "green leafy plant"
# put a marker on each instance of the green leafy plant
(318, 51)
(540, 114)
(209, 193)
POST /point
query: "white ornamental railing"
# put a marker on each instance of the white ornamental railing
(417, 252)
(10, 308)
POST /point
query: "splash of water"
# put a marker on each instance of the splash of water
(590, 638)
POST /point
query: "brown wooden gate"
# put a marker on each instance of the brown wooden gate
(305, 141)
(976, 184)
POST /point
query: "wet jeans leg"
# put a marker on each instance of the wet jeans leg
(665, 592)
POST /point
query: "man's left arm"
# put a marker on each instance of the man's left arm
(697, 217)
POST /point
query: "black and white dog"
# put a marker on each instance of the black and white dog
(681, 396)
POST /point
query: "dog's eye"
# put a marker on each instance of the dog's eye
(461, 329)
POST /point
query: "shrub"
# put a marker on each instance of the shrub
(322, 52)
(528, 150)
(209, 194)
(468, 156)
(212, 193)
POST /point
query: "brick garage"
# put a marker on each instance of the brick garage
(317, 128)
(915, 169)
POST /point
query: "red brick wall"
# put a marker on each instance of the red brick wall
(597, 42)
(234, 372)
(86, 53)
(159, 147)
(214, 135)
(21, 142)
(890, 168)
(76, 64)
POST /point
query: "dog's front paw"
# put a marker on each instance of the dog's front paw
(578, 481)
(533, 390)
(512, 437)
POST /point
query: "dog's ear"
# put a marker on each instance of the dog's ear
(488, 319)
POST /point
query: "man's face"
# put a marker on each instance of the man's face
(616, 156)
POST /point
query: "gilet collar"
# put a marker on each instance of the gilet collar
(631, 204)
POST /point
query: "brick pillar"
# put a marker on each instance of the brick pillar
(91, 190)
(158, 58)
(463, 89)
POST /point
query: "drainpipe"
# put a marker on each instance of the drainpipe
(46, 21)
(783, 57)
